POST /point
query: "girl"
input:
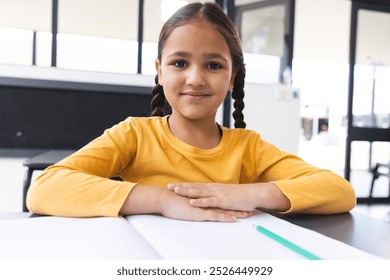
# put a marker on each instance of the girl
(185, 165)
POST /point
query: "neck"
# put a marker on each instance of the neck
(203, 134)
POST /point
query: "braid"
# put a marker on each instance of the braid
(238, 96)
(158, 100)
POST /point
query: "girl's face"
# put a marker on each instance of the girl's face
(195, 71)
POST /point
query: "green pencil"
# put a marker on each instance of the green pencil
(287, 243)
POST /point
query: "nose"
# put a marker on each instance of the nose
(196, 76)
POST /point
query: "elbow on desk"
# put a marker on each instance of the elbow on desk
(36, 198)
(343, 193)
(349, 195)
(40, 195)
(351, 202)
(346, 198)
(331, 198)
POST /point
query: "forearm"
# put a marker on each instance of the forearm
(321, 193)
(64, 192)
(144, 200)
(269, 196)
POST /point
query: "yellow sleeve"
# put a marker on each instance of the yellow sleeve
(80, 185)
(311, 190)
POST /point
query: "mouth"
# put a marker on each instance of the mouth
(195, 94)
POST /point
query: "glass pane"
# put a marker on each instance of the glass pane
(244, 2)
(16, 46)
(153, 21)
(18, 20)
(372, 70)
(96, 53)
(262, 35)
(380, 152)
(156, 13)
(98, 35)
(360, 155)
(100, 18)
(43, 49)
(263, 30)
(26, 14)
(364, 157)
(149, 54)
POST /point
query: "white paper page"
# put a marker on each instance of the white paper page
(72, 238)
(175, 239)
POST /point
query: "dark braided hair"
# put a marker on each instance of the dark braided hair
(213, 14)
(238, 96)
(158, 99)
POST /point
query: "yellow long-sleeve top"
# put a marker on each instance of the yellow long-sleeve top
(144, 151)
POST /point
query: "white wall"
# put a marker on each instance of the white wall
(273, 111)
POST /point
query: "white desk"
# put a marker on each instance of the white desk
(153, 237)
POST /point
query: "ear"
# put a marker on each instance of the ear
(157, 64)
(231, 83)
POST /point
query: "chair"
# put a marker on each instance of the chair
(40, 162)
(380, 169)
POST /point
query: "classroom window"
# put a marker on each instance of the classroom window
(372, 71)
(98, 35)
(43, 48)
(16, 46)
(96, 53)
(320, 71)
(366, 154)
(262, 32)
(263, 28)
(155, 15)
(149, 54)
(18, 21)
(152, 25)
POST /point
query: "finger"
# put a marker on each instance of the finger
(219, 216)
(213, 202)
(206, 202)
(240, 214)
(171, 186)
(191, 189)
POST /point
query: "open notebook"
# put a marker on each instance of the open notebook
(154, 237)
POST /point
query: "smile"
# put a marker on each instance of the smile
(196, 94)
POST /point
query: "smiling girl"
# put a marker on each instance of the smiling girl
(185, 165)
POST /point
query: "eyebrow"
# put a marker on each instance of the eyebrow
(207, 55)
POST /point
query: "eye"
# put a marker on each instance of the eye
(179, 64)
(214, 66)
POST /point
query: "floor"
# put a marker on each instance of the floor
(12, 174)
